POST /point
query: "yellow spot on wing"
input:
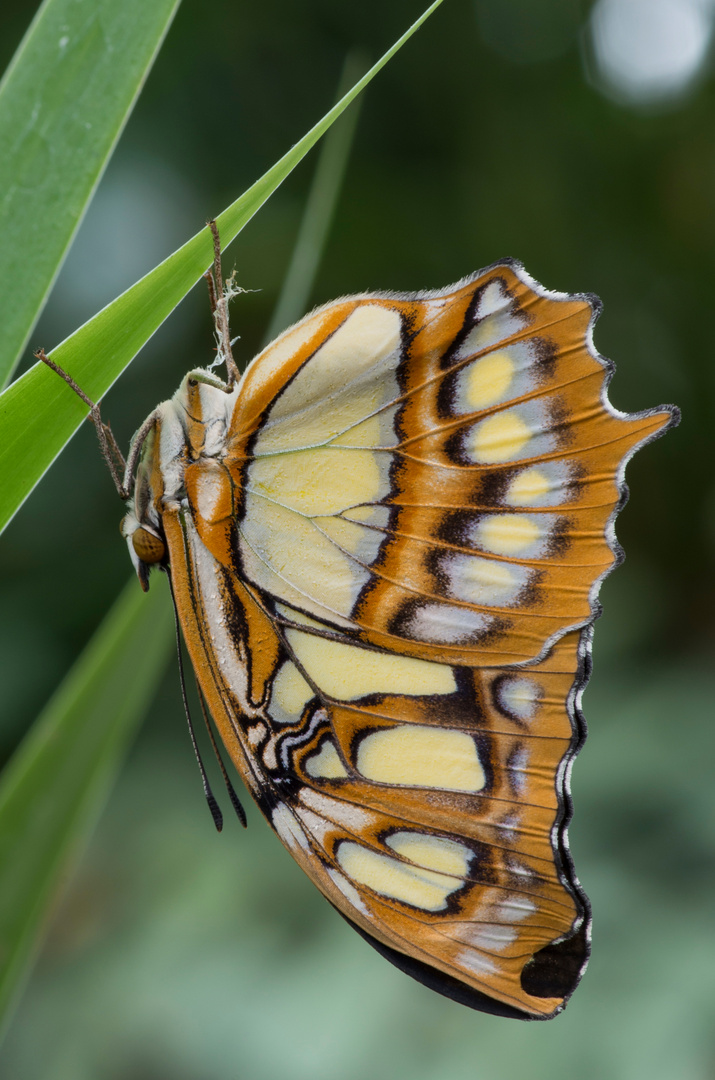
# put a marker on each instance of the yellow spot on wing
(326, 763)
(508, 534)
(421, 756)
(528, 487)
(499, 438)
(290, 690)
(426, 889)
(432, 852)
(486, 381)
(346, 672)
(484, 581)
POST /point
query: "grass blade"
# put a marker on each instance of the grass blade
(319, 210)
(63, 103)
(52, 790)
(39, 413)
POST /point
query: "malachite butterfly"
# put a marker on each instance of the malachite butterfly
(385, 544)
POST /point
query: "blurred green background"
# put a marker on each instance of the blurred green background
(579, 138)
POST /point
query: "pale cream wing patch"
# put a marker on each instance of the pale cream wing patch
(293, 542)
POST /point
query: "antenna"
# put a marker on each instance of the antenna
(235, 801)
(210, 797)
(208, 793)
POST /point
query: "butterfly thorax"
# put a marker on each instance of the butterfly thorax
(180, 461)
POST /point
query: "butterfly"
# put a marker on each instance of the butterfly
(385, 543)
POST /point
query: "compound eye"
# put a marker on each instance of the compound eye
(149, 548)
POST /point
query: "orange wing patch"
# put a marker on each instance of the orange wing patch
(385, 547)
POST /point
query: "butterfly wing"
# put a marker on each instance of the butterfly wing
(387, 579)
(436, 475)
(421, 798)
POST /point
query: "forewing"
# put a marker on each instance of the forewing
(436, 474)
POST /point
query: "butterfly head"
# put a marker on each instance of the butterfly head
(146, 547)
(141, 526)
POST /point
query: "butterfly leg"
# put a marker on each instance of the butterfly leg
(219, 295)
(110, 450)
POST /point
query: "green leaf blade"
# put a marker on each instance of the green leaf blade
(39, 413)
(54, 786)
(63, 103)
